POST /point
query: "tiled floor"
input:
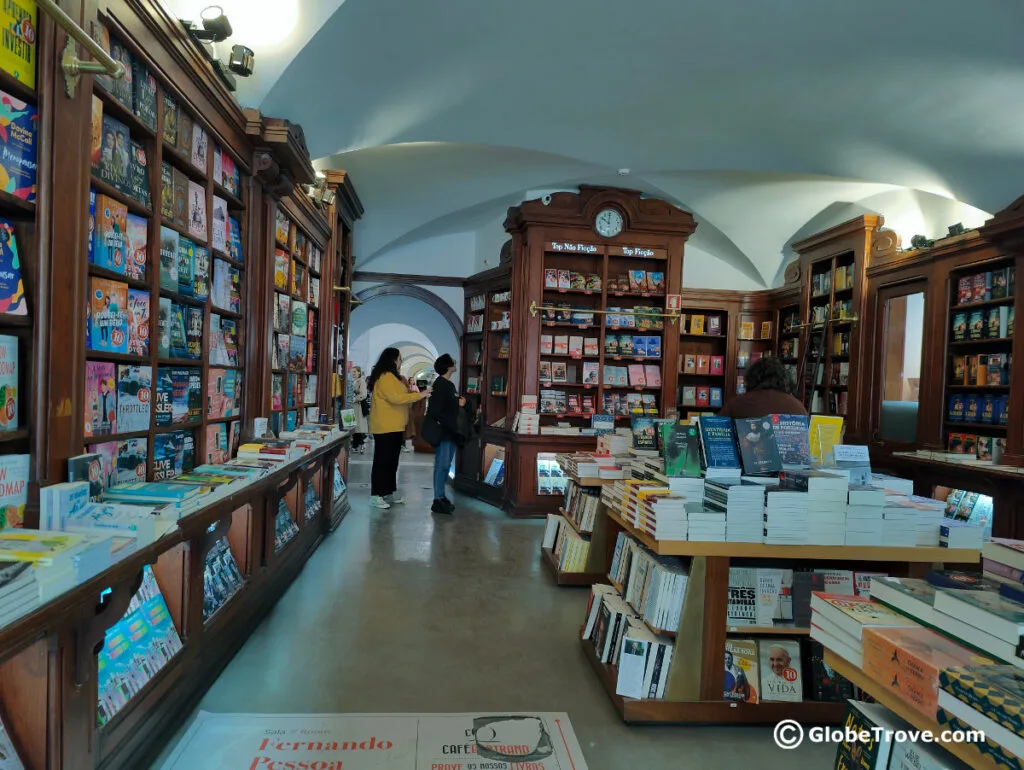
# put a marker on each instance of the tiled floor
(404, 611)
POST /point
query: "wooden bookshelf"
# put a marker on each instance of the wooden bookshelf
(966, 752)
(704, 359)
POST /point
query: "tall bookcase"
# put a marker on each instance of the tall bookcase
(831, 313)
(166, 277)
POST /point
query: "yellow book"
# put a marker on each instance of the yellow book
(747, 330)
(826, 431)
(36, 547)
(697, 324)
(18, 42)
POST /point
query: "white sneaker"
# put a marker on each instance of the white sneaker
(406, 448)
(376, 501)
(394, 499)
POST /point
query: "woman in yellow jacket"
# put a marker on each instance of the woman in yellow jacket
(389, 414)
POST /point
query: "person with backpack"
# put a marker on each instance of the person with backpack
(441, 429)
(361, 406)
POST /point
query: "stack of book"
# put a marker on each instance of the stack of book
(743, 506)
(655, 588)
(826, 504)
(786, 517)
(706, 525)
(668, 517)
(865, 515)
(182, 499)
(900, 524)
(838, 622)
(19, 591)
(961, 534)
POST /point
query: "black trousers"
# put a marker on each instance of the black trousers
(358, 439)
(387, 450)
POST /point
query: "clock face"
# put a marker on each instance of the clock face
(608, 223)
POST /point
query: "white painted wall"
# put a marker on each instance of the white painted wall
(702, 270)
(913, 336)
(394, 321)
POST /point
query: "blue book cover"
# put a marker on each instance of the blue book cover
(988, 409)
(716, 397)
(108, 315)
(653, 347)
(1004, 410)
(179, 395)
(18, 166)
(164, 397)
(602, 423)
(155, 490)
(234, 240)
(719, 442)
(12, 288)
(644, 433)
(167, 456)
(792, 435)
(640, 347)
(289, 422)
(957, 407)
(972, 409)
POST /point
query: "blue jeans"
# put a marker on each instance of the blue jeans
(443, 456)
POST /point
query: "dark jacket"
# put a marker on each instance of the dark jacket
(443, 406)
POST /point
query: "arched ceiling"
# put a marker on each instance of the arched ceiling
(760, 118)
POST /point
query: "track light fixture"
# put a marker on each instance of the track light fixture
(215, 28)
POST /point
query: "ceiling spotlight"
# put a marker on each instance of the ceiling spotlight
(623, 171)
(216, 27)
(242, 61)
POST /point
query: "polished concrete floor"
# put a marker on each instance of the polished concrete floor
(404, 611)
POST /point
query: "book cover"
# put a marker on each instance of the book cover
(714, 397)
(168, 456)
(18, 165)
(108, 315)
(697, 324)
(110, 236)
(637, 281)
(219, 230)
(200, 147)
(115, 157)
(168, 259)
(87, 467)
(186, 265)
(959, 327)
(995, 691)
(217, 448)
(18, 19)
(170, 127)
(12, 288)
(194, 394)
(746, 330)
(144, 94)
(759, 451)
(282, 226)
(792, 439)
(130, 462)
(976, 325)
(742, 679)
(703, 395)
(201, 272)
(644, 436)
(123, 88)
(703, 364)
(718, 441)
(717, 365)
(163, 327)
(235, 240)
(193, 332)
(714, 325)
(100, 399)
(781, 670)
(138, 322)
(229, 177)
(300, 318)
(296, 353)
(180, 193)
(185, 128)
(196, 211)
(107, 452)
(96, 135)
(681, 450)
(164, 393)
(226, 281)
(138, 175)
(137, 248)
(179, 336)
(282, 268)
(283, 316)
(656, 282)
(825, 432)
(134, 397)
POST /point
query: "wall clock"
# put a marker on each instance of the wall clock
(608, 223)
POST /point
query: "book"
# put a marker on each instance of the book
(235, 240)
(186, 266)
(758, 449)
(87, 467)
(717, 365)
(282, 227)
(179, 192)
(995, 691)
(18, 18)
(230, 179)
(742, 672)
(137, 248)
(714, 325)
(718, 443)
(138, 322)
(703, 364)
(169, 130)
(200, 147)
(12, 288)
(282, 269)
(185, 128)
(747, 330)
(680, 447)
(644, 436)
(985, 608)
(9, 386)
(226, 282)
(123, 89)
(781, 671)
(134, 397)
(201, 272)
(864, 719)
(115, 156)
(196, 211)
(219, 228)
(193, 332)
(110, 235)
(792, 439)
(144, 95)
(300, 318)
(697, 324)
(108, 315)
(825, 432)
(853, 614)
(138, 175)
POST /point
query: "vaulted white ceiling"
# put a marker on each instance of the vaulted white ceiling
(767, 120)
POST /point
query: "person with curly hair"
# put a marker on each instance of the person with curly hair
(769, 391)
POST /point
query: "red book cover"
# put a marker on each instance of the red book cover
(718, 364)
(703, 396)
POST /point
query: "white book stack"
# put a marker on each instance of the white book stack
(743, 504)
(826, 509)
(930, 518)
(19, 591)
(893, 484)
(666, 588)
(899, 526)
(528, 424)
(865, 517)
(670, 518)
(961, 534)
(785, 517)
(706, 525)
(691, 489)
(615, 443)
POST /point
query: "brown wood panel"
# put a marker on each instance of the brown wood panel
(26, 692)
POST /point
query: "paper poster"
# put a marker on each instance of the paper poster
(498, 741)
